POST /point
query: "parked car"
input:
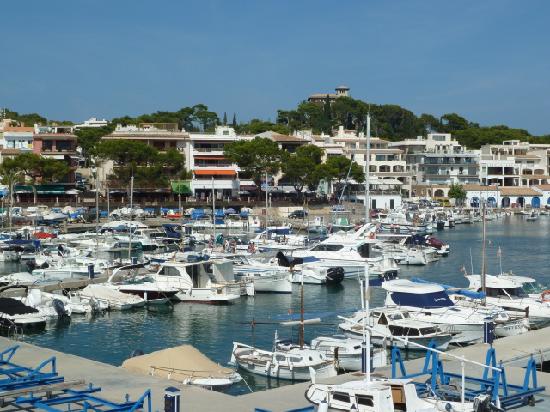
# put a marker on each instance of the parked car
(297, 214)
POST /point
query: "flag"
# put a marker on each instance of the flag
(499, 252)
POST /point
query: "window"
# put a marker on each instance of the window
(364, 400)
(341, 397)
(327, 248)
(364, 250)
(169, 271)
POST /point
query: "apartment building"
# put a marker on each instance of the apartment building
(211, 170)
(57, 143)
(515, 163)
(17, 137)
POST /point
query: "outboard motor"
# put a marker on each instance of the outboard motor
(335, 275)
(59, 307)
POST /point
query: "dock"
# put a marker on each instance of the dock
(116, 382)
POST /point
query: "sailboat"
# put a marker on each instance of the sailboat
(294, 363)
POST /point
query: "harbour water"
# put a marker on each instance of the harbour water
(112, 337)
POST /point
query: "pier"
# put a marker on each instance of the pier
(116, 382)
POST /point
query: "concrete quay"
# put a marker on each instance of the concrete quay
(117, 382)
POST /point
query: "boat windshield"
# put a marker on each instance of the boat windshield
(533, 287)
(424, 300)
(327, 248)
(511, 292)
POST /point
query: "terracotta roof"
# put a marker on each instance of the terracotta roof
(545, 188)
(54, 136)
(284, 138)
(18, 129)
(10, 151)
(518, 191)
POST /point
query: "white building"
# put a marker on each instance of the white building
(210, 169)
(17, 137)
(92, 122)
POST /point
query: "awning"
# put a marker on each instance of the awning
(41, 189)
(214, 172)
(389, 182)
(219, 157)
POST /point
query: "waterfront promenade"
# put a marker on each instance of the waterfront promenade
(116, 382)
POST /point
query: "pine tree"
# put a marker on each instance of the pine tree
(224, 118)
(234, 122)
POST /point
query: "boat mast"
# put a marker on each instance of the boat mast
(366, 318)
(483, 250)
(131, 217)
(213, 215)
(301, 338)
(266, 205)
(367, 174)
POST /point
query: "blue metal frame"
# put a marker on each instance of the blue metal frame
(86, 401)
(14, 376)
(492, 381)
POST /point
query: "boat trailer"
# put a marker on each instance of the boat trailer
(42, 388)
(493, 381)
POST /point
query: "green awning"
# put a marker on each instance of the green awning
(181, 187)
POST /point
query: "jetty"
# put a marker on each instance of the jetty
(116, 381)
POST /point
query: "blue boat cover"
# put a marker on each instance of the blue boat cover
(422, 300)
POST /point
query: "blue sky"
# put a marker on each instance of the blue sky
(72, 59)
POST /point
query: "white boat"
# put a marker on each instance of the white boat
(430, 303)
(507, 291)
(107, 296)
(393, 322)
(348, 352)
(15, 316)
(209, 281)
(532, 217)
(295, 364)
(381, 395)
(267, 278)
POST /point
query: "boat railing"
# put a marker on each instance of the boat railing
(191, 373)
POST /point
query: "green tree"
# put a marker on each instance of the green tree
(452, 122)
(257, 126)
(224, 118)
(234, 122)
(457, 192)
(149, 167)
(30, 168)
(300, 168)
(256, 157)
(89, 137)
(338, 170)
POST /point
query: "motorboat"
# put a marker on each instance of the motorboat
(209, 281)
(109, 298)
(15, 316)
(348, 352)
(507, 291)
(380, 395)
(429, 302)
(532, 217)
(386, 323)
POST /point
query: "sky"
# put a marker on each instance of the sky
(72, 59)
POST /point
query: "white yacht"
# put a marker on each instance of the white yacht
(507, 292)
(429, 302)
(203, 282)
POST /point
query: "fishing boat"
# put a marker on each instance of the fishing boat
(294, 364)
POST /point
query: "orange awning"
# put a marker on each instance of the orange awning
(199, 157)
(214, 172)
